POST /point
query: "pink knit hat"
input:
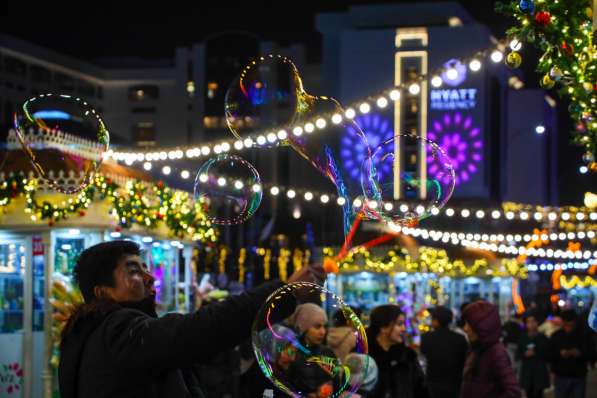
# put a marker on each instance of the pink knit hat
(308, 315)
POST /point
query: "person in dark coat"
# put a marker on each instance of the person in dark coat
(399, 372)
(533, 352)
(314, 374)
(488, 372)
(114, 345)
(571, 351)
(445, 352)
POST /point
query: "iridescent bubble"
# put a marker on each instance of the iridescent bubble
(420, 181)
(318, 133)
(230, 189)
(64, 137)
(289, 341)
(264, 97)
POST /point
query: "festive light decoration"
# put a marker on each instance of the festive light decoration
(575, 281)
(267, 138)
(135, 203)
(353, 152)
(429, 260)
(462, 142)
(548, 266)
(461, 239)
(563, 30)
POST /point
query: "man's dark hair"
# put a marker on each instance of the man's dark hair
(95, 265)
(569, 316)
(442, 315)
(383, 316)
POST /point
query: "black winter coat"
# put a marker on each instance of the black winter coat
(400, 375)
(124, 352)
(445, 352)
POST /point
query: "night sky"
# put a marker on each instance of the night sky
(99, 29)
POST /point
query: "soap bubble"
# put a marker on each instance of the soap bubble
(289, 342)
(64, 137)
(411, 191)
(230, 188)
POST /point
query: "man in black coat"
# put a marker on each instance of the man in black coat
(571, 352)
(114, 345)
(445, 352)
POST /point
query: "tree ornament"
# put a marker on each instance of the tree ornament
(513, 60)
(588, 157)
(555, 73)
(547, 82)
(587, 86)
(574, 108)
(567, 49)
(543, 18)
(527, 6)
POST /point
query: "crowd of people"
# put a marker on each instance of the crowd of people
(115, 345)
(476, 357)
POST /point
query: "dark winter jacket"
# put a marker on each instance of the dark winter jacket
(307, 376)
(571, 367)
(533, 370)
(488, 372)
(445, 352)
(125, 352)
(399, 372)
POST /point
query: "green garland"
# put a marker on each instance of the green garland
(563, 30)
(136, 203)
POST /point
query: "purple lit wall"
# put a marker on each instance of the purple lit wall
(462, 142)
(377, 129)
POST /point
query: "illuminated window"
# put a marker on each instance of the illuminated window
(143, 92)
(212, 87)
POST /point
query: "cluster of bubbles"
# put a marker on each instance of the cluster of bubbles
(269, 95)
(288, 339)
(62, 132)
(66, 139)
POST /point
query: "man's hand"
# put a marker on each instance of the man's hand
(565, 353)
(312, 273)
(574, 352)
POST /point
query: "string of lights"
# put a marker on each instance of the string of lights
(538, 214)
(549, 266)
(268, 138)
(460, 239)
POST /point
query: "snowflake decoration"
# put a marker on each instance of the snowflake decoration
(353, 151)
(462, 142)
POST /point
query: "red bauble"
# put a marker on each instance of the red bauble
(13, 185)
(568, 49)
(543, 18)
(81, 213)
(160, 184)
(160, 216)
(50, 223)
(117, 229)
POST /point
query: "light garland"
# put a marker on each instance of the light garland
(510, 211)
(135, 203)
(267, 138)
(429, 260)
(576, 282)
(455, 239)
(548, 267)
